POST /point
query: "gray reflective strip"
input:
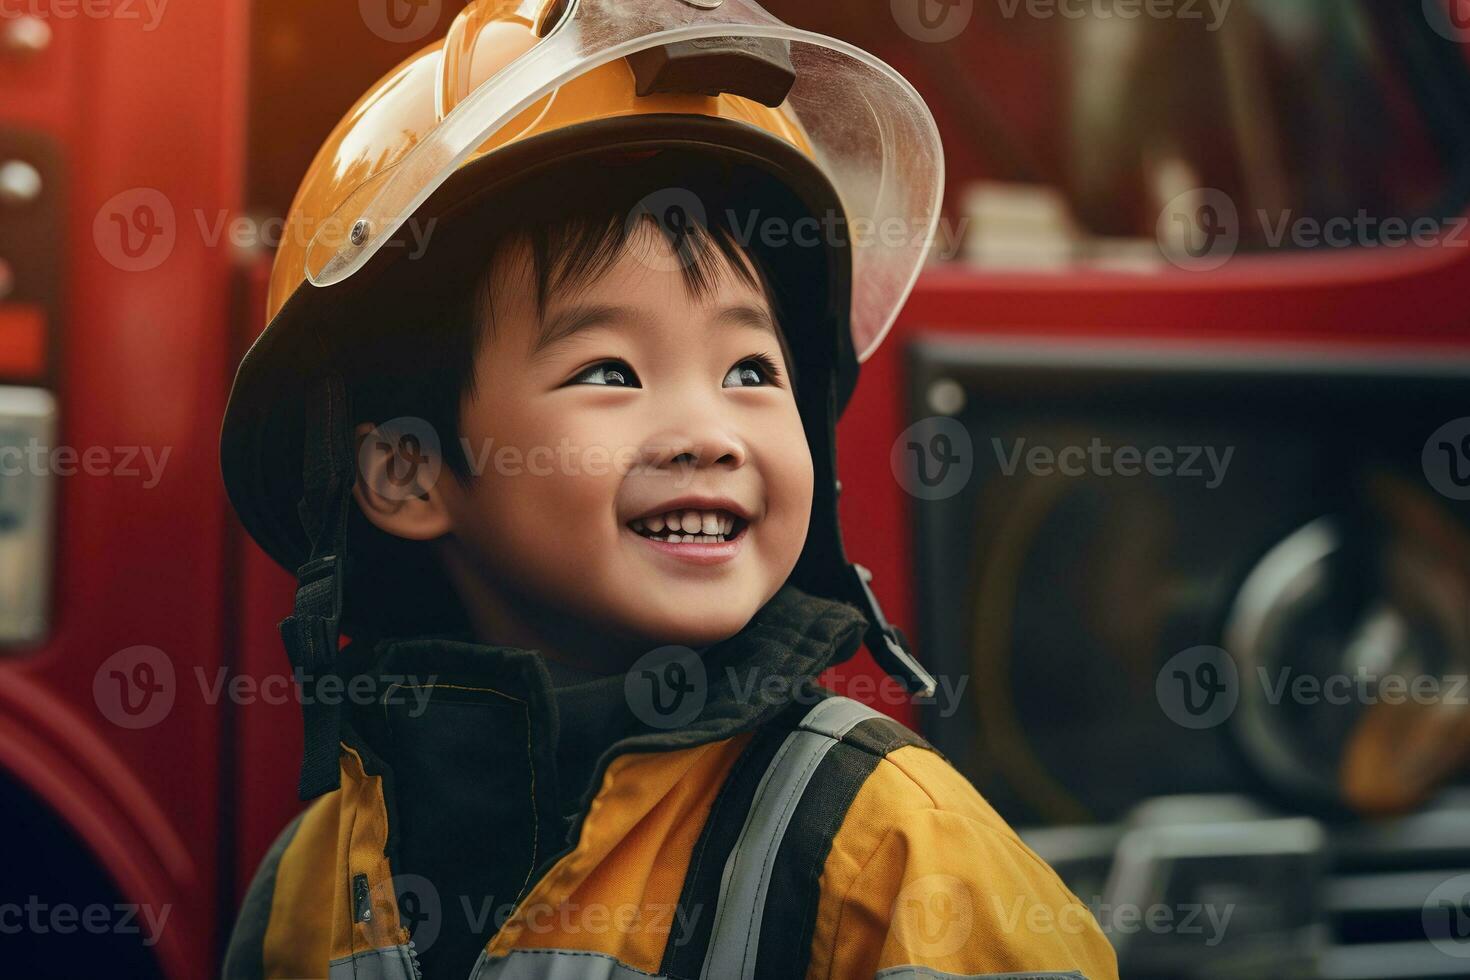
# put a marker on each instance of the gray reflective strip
(736, 931)
(388, 963)
(556, 964)
(926, 973)
(836, 716)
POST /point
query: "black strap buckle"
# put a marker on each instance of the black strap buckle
(310, 636)
(889, 647)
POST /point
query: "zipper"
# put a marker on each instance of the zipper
(362, 899)
(362, 910)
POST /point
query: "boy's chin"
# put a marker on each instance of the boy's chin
(693, 627)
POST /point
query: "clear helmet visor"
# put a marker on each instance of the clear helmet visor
(867, 129)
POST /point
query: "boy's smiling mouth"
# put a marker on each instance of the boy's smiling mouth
(703, 530)
(690, 526)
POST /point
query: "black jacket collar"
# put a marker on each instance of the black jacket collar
(747, 679)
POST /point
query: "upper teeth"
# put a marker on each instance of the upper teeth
(686, 521)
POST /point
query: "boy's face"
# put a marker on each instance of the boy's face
(587, 446)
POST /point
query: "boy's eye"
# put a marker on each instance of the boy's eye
(614, 373)
(756, 370)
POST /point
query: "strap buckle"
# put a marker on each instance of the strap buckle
(310, 635)
(892, 651)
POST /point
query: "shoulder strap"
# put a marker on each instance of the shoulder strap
(770, 881)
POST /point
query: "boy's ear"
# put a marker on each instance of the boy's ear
(397, 486)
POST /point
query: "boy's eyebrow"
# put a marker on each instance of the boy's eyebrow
(574, 319)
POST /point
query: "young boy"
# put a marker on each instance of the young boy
(581, 445)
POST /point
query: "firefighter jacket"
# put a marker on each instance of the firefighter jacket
(758, 825)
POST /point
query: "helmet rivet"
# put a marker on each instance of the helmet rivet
(360, 231)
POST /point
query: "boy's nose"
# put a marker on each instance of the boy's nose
(707, 447)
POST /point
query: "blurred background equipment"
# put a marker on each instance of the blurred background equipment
(1207, 576)
(1235, 229)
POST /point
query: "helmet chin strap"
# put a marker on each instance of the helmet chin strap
(890, 648)
(888, 644)
(311, 633)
